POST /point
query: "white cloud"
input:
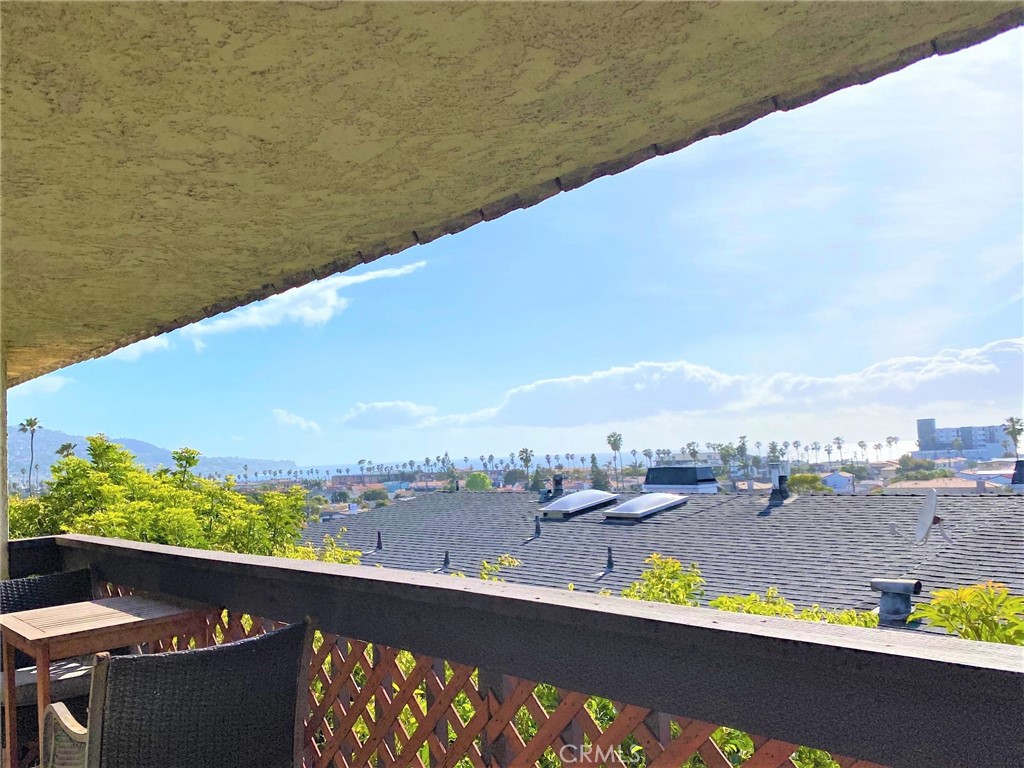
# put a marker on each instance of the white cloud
(309, 305)
(387, 415)
(289, 419)
(133, 352)
(44, 385)
(677, 396)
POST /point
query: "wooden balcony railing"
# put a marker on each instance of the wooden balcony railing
(424, 671)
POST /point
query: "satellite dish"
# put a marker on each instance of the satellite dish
(926, 517)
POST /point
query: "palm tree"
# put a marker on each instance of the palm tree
(815, 446)
(864, 449)
(888, 442)
(758, 446)
(785, 449)
(649, 455)
(66, 449)
(526, 457)
(30, 425)
(828, 452)
(1014, 428)
(547, 457)
(896, 444)
(693, 448)
(839, 443)
(741, 454)
(774, 451)
(796, 449)
(614, 441)
(877, 448)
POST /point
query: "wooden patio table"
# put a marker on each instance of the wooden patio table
(77, 629)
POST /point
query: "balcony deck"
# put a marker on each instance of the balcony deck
(436, 672)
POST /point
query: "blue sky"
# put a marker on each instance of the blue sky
(841, 269)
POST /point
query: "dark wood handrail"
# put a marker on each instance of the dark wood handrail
(892, 696)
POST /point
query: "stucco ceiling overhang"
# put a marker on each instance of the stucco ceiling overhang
(164, 162)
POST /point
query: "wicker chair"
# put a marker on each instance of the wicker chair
(230, 706)
(69, 679)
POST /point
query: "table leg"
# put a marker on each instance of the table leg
(42, 688)
(10, 707)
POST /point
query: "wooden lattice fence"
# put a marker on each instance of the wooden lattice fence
(372, 706)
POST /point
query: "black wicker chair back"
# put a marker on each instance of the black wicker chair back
(236, 705)
(42, 592)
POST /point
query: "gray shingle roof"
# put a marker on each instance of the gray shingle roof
(817, 549)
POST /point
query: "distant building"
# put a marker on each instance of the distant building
(980, 443)
(838, 481)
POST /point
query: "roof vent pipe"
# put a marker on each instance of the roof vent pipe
(556, 485)
(894, 603)
(380, 541)
(776, 497)
(536, 526)
(447, 561)
(611, 563)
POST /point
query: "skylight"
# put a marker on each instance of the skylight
(575, 503)
(644, 506)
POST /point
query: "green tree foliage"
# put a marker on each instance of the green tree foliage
(665, 580)
(924, 474)
(108, 494)
(1014, 428)
(374, 494)
(513, 476)
(774, 604)
(599, 479)
(859, 471)
(539, 480)
(478, 481)
(980, 612)
(489, 571)
(909, 464)
(807, 483)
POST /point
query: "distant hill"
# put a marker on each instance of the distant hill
(147, 454)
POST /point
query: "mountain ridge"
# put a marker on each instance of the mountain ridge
(47, 441)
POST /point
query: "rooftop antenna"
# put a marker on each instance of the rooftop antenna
(926, 519)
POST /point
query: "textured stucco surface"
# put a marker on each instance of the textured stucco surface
(162, 162)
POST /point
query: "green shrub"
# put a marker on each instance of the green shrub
(985, 612)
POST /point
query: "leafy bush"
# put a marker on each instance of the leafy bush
(923, 474)
(773, 604)
(108, 494)
(981, 612)
(667, 581)
(375, 494)
(807, 483)
(910, 464)
(478, 481)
